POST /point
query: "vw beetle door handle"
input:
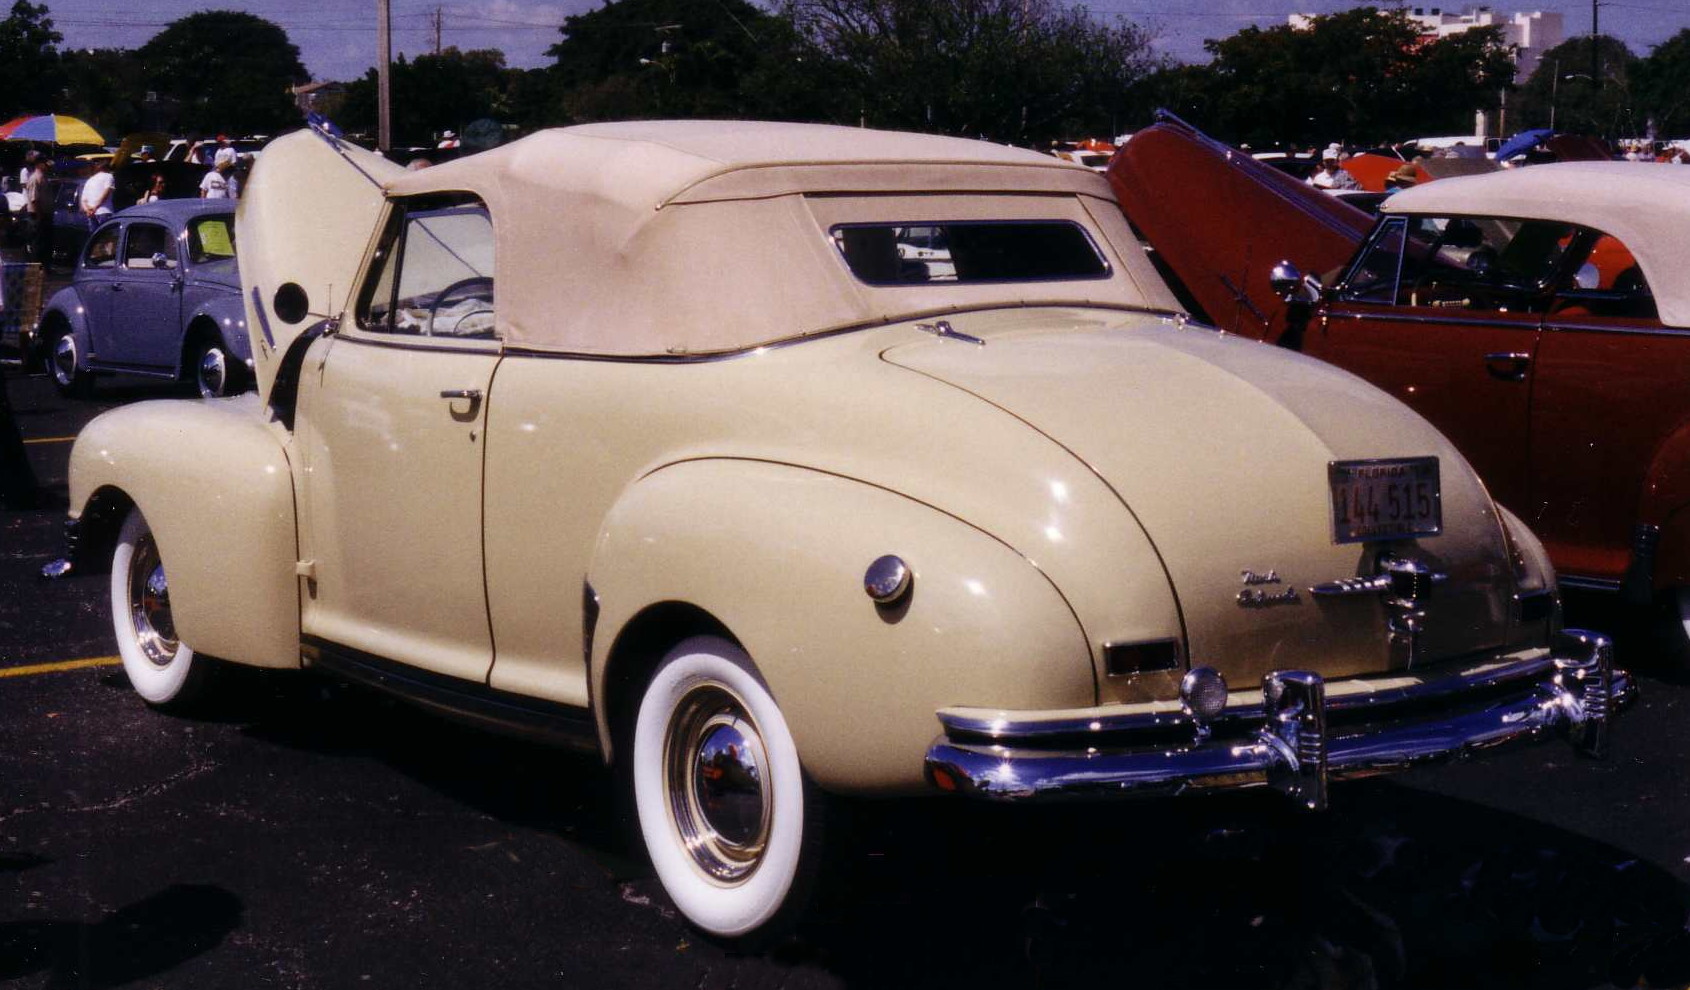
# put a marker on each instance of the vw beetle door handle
(1509, 366)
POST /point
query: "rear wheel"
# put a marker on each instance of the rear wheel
(214, 374)
(732, 826)
(64, 363)
(163, 670)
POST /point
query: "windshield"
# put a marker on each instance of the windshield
(211, 239)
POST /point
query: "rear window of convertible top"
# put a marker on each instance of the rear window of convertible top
(960, 252)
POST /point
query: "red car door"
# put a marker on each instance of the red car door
(1609, 391)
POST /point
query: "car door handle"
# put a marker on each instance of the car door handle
(1509, 366)
(117, 286)
(472, 394)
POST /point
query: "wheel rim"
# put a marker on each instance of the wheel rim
(716, 777)
(213, 372)
(149, 604)
(64, 359)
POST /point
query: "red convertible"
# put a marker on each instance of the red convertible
(1539, 317)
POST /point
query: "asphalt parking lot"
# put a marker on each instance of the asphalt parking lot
(309, 835)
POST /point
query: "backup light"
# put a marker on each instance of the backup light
(1202, 693)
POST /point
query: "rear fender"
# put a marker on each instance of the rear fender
(776, 556)
(1665, 502)
(213, 481)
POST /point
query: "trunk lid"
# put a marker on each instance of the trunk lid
(1220, 448)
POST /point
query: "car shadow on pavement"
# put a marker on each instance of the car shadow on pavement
(1394, 887)
(145, 939)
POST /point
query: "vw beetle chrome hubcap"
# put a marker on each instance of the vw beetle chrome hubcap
(64, 360)
(716, 775)
(149, 604)
(212, 373)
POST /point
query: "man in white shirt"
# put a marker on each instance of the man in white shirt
(225, 151)
(96, 192)
(219, 183)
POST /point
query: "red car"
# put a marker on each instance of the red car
(1539, 317)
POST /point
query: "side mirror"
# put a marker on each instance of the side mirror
(1292, 285)
(160, 260)
(1588, 277)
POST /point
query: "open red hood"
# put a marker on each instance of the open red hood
(1219, 221)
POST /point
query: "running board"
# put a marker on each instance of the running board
(466, 701)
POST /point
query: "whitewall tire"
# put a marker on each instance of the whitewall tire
(162, 668)
(727, 816)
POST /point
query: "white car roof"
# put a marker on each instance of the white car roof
(1645, 205)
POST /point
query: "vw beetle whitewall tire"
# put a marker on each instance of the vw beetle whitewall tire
(162, 668)
(722, 800)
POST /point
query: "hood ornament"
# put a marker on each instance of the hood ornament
(1404, 584)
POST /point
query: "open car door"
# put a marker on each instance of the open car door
(306, 218)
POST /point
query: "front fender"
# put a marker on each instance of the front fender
(66, 304)
(777, 555)
(213, 481)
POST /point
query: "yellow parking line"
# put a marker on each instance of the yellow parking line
(51, 440)
(59, 667)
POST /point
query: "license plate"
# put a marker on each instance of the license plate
(1385, 500)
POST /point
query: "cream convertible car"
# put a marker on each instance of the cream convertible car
(724, 485)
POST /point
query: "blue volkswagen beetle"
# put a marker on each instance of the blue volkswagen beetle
(155, 292)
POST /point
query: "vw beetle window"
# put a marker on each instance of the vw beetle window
(145, 243)
(1089, 547)
(211, 239)
(102, 248)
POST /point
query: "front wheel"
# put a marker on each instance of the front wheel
(732, 825)
(163, 670)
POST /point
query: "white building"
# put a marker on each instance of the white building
(1531, 34)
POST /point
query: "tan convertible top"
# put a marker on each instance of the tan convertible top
(672, 237)
(1645, 205)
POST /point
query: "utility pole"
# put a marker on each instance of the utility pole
(439, 17)
(1595, 41)
(384, 95)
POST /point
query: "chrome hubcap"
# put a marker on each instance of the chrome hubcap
(212, 373)
(64, 359)
(716, 775)
(149, 604)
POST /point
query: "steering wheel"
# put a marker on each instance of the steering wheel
(477, 283)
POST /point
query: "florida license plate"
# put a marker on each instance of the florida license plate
(1385, 500)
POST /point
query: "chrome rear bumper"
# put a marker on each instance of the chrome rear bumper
(1295, 740)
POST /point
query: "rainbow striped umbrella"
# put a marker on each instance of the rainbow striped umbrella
(52, 128)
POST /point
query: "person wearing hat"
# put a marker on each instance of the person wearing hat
(1331, 176)
(448, 139)
(1402, 177)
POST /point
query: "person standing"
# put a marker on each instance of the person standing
(220, 183)
(97, 192)
(155, 190)
(225, 152)
(38, 194)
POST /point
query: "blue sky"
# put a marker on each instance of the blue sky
(338, 40)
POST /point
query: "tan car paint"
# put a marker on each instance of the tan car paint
(214, 482)
(391, 500)
(1232, 476)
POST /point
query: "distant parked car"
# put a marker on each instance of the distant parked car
(155, 292)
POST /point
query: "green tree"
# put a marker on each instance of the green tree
(1663, 85)
(1361, 75)
(1025, 71)
(106, 87)
(29, 60)
(434, 93)
(670, 58)
(1561, 90)
(227, 71)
